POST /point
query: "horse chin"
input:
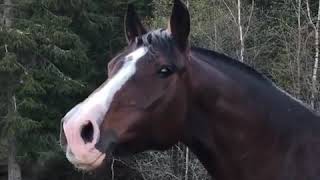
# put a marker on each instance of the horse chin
(92, 166)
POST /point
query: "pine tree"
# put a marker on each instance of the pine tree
(53, 54)
(42, 64)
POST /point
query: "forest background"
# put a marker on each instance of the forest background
(53, 53)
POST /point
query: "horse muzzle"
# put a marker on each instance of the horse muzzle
(85, 146)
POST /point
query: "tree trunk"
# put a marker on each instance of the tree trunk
(14, 172)
(315, 67)
(3, 168)
(213, 20)
(298, 60)
(174, 160)
(316, 57)
(7, 20)
(186, 172)
(240, 32)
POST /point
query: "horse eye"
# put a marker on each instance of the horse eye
(139, 41)
(166, 71)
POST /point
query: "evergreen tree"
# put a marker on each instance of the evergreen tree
(42, 66)
(53, 54)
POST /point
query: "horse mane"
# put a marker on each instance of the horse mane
(215, 57)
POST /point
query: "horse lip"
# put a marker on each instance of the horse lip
(83, 165)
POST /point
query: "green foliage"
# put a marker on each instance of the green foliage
(10, 71)
(46, 62)
(52, 56)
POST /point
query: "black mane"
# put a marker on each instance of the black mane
(157, 40)
(221, 58)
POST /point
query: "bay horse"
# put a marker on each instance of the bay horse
(160, 90)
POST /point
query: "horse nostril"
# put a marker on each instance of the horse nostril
(87, 132)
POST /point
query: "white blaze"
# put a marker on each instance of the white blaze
(98, 103)
(94, 109)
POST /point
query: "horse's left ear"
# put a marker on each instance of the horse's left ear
(179, 24)
(133, 25)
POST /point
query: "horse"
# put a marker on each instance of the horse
(161, 90)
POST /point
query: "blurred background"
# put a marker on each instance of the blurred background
(53, 53)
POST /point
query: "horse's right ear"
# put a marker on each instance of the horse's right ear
(133, 25)
(179, 24)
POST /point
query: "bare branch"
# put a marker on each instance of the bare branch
(112, 169)
(233, 17)
(249, 21)
(240, 32)
(6, 48)
(187, 164)
(309, 15)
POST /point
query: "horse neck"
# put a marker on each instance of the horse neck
(225, 126)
